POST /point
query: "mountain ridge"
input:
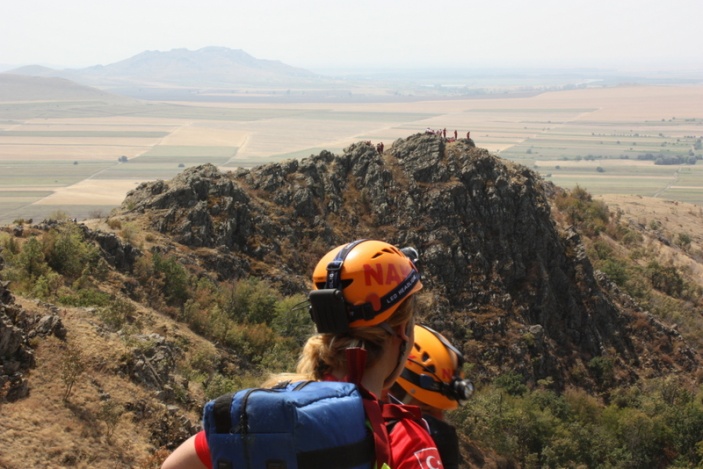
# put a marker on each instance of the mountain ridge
(471, 214)
(21, 87)
(205, 68)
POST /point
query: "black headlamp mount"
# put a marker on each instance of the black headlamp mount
(328, 309)
(457, 389)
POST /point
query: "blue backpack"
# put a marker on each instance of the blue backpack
(303, 425)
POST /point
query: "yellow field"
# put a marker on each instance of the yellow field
(160, 139)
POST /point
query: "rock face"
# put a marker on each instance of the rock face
(16, 355)
(515, 290)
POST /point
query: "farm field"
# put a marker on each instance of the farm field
(81, 157)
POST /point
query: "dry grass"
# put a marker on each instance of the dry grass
(44, 431)
(671, 219)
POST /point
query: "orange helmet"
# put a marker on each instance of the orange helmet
(432, 374)
(360, 284)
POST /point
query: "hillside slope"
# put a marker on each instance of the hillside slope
(19, 87)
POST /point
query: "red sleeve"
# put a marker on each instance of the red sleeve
(202, 449)
(413, 447)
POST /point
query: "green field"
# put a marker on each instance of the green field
(22, 174)
(618, 157)
(606, 140)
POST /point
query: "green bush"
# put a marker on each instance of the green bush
(47, 286)
(218, 385)
(631, 238)
(118, 313)
(665, 279)
(602, 369)
(31, 262)
(175, 287)
(513, 383)
(67, 252)
(84, 297)
(250, 300)
(656, 423)
(591, 216)
(615, 270)
(292, 319)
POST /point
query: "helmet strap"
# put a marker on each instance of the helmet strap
(356, 365)
(401, 351)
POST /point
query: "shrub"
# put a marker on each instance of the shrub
(72, 367)
(117, 313)
(31, 262)
(615, 270)
(67, 252)
(656, 423)
(250, 301)
(218, 385)
(602, 370)
(513, 383)
(83, 297)
(631, 238)
(114, 223)
(582, 211)
(684, 240)
(47, 286)
(665, 279)
(292, 319)
(175, 279)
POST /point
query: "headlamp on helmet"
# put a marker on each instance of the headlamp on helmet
(432, 374)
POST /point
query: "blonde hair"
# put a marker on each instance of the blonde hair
(325, 353)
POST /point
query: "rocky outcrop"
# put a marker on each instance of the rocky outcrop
(116, 252)
(509, 285)
(16, 355)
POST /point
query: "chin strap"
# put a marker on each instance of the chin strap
(401, 352)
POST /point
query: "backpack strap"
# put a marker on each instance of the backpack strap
(356, 364)
(401, 411)
(382, 444)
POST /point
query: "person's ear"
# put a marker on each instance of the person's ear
(405, 331)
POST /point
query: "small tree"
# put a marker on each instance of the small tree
(110, 413)
(175, 279)
(31, 262)
(72, 367)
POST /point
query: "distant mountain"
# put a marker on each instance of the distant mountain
(21, 87)
(35, 71)
(209, 68)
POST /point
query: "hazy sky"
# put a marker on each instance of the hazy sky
(323, 34)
